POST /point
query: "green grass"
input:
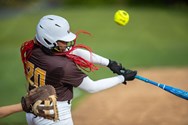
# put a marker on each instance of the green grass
(154, 37)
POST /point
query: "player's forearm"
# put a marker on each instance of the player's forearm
(10, 109)
(91, 57)
(99, 85)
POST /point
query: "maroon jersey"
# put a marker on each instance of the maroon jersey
(58, 71)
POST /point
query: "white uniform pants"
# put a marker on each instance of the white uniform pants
(65, 118)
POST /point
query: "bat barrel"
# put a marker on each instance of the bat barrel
(178, 92)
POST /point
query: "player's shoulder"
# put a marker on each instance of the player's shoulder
(51, 60)
(60, 60)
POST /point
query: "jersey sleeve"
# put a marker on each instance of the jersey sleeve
(72, 74)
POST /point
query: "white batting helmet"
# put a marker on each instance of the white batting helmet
(52, 28)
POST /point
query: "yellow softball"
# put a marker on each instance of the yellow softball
(121, 17)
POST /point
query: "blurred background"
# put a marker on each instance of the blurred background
(155, 37)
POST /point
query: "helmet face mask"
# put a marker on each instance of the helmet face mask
(52, 29)
(69, 46)
(63, 46)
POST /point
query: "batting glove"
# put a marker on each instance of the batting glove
(120, 70)
(129, 75)
(115, 67)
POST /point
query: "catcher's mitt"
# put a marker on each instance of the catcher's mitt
(41, 101)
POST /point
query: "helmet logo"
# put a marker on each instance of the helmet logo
(68, 31)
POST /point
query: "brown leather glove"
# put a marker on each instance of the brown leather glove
(40, 101)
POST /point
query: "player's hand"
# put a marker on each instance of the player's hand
(129, 75)
(115, 67)
(120, 70)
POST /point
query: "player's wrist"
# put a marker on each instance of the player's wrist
(129, 75)
(24, 105)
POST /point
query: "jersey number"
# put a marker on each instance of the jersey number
(35, 76)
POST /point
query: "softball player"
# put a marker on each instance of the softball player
(53, 58)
